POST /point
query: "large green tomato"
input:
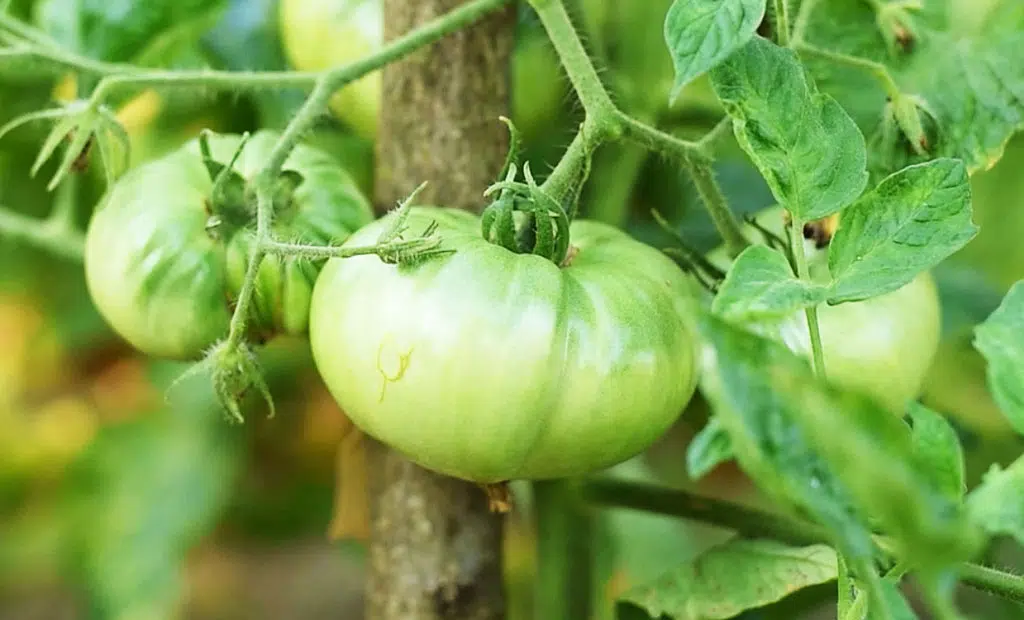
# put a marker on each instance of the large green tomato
(319, 34)
(166, 282)
(883, 346)
(489, 365)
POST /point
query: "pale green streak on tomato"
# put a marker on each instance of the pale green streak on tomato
(883, 346)
(488, 365)
(166, 286)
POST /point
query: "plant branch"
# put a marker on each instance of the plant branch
(780, 19)
(605, 122)
(43, 233)
(591, 92)
(796, 240)
(754, 523)
(876, 69)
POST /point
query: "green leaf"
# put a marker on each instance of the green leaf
(965, 68)
(761, 285)
(808, 149)
(139, 498)
(911, 222)
(997, 504)
(938, 449)
(702, 33)
(834, 454)
(709, 449)
(733, 577)
(1001, 340)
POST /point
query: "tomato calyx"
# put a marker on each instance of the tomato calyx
(526, 220)
(231, 200)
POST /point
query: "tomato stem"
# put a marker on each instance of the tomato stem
(876, 69)
(796, 240)
(563, 551)
(780, 20)
(605, 122)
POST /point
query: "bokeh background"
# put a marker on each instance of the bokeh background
(125, 497)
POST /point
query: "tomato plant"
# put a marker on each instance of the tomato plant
(165, 258)
(517, 342)
(509, 366)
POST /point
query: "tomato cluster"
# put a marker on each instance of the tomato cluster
(483, 363)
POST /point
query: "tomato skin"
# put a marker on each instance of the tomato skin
(167, 286)
(488, 365)
(883, 346)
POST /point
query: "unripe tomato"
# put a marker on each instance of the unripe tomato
(320, 34)
(489, 365)
(882, 346)
(166, 282)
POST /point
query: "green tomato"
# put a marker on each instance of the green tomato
(319, 34)
(489, 365)
(166, 283)
(882, 347)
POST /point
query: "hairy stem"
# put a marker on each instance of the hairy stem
(796, 241)
(605, 122)
(718, 208)
(591, 92)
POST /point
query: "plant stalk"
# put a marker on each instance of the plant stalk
(796, 240)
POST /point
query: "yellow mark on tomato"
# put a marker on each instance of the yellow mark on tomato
(403, 365)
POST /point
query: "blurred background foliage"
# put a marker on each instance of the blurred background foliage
(124, 498)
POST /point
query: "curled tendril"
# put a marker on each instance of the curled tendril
(543, 228)
(82, 125)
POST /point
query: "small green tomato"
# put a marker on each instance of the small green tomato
(883, 346)
(164, 271)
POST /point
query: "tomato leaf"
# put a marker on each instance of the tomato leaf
(732, 577)
(997, 504)
(965, 69)
(702, 33)
(832, 453)
(709, 448)
(1001, 340)
(761, 285)
(139, 498)
(912, 221)
(807, 147)
(938, 449)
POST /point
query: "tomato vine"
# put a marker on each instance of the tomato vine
(780, 273)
